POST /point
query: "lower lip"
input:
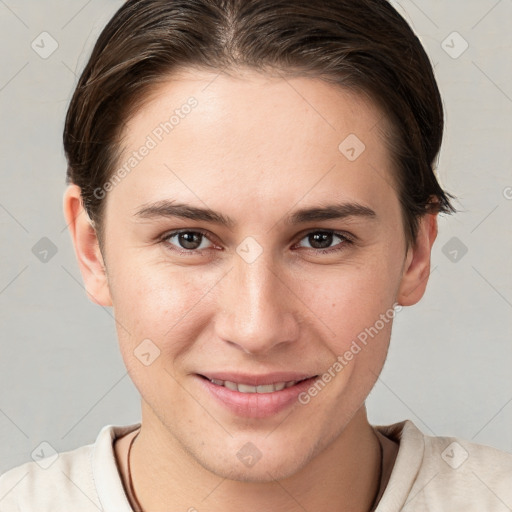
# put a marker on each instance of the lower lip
(256, 405)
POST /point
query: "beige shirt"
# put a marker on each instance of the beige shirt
(429, 474)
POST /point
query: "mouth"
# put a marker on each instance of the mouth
(255, 396)
(242, 387)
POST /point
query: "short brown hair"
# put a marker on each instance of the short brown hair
(363, 45)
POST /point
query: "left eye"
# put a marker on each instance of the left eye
(322, 240)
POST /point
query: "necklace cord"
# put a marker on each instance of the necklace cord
(132, 497)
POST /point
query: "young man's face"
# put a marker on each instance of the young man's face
(256, 302)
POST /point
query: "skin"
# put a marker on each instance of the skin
(256, 148)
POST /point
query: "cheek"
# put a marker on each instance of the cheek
(352, 298)
(157, 323)
(156, 303)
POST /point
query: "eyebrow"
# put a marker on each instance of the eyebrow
(167, 208)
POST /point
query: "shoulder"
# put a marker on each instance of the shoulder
(449, 473)
(472, 472)
(59, 482)
(35, 485)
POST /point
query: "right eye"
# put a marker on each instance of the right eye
(186, 241)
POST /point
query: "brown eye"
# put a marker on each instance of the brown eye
(186, 240)
(322, 241)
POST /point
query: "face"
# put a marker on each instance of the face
(248, 246)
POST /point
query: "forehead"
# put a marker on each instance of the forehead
(260, 104)
(260, 135)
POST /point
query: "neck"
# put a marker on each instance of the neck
(344, 476)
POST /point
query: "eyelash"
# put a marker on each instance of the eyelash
(346, 240)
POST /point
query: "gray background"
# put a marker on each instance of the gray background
(449, 366)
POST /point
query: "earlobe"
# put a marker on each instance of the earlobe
(87, 250)
(417, 263)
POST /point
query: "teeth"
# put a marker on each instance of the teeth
(231, 385)
(279, 386)
(246, 388)
(267, 388)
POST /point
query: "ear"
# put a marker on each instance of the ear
(417, 262)
(87, 249)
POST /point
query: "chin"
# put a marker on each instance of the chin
(248, 464)
(264, 473)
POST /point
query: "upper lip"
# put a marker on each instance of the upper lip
(257, 380)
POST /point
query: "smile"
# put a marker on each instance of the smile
(254, 396)
(247, 388)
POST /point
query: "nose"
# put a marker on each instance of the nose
(258, 308)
